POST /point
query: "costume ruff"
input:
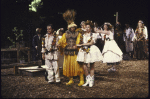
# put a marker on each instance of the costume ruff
(111, 52)
(70, 65)
(94, 53)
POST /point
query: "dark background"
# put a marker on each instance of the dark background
(15, 13)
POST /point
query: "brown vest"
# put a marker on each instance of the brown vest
(71, 41)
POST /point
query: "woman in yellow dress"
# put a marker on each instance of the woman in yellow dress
(67, 46)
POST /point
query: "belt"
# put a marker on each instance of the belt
(108, 39)
(52, 50)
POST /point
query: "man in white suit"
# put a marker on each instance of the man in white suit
(128, 39)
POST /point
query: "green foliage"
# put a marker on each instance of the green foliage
(34, 5)
(17, 34)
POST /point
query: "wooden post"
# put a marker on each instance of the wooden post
(39, 63)
(116, 17)
(15, 70)
(18, 48)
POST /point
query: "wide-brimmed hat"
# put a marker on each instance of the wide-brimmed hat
(72, 25)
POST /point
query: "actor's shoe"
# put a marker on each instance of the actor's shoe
(81, 80)
(46, 74)
(58, 82)
(87, 80)
(91, 81)
(112, 69)
(70, 81)
(51, 82)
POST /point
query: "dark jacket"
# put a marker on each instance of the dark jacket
(37, 42)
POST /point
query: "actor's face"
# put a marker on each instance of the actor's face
(49, 29)
(105, 27)
(72, 29)
(118, 23)
(139, 24)
(88, 28)
(95, 29)
(40, 29)
(83, 25)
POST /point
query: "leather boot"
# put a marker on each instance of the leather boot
(81, 80)
(87, 80)
(91, 81)
(70, 81)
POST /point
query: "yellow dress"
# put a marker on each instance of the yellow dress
(70, 65)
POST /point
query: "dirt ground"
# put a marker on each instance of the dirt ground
(130, 81)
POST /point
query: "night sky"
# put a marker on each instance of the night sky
(17, 14)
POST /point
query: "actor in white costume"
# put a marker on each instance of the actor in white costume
(51, 55)
(89, 53)
(128, 39)
(111, 52)
(61, 57)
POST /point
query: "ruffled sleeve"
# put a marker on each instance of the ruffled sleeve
(132, 35)
(62, 43)
(145, 32)
(78, 40)
(94, 37)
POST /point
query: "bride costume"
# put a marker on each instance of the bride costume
(111, 52)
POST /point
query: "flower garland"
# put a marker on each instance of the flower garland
(81, 42)
(138, 34)
(54, 41)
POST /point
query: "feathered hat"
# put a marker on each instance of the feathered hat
(69, 17)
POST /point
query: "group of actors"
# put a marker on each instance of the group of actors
(84, 46)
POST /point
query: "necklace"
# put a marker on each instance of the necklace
(81, 42)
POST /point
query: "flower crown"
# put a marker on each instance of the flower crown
(109, 25)
(140, 21)
(88, 22)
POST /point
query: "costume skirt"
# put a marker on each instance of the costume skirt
(71, 66)
(111, 52)
(92, 56)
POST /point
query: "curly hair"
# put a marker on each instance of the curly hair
(50, 25)
(108, 25)
(88, 22)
